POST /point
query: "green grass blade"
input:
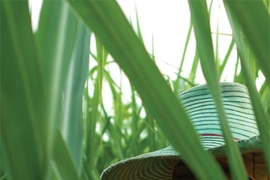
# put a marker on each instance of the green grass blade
(253, 17)
(138, 28)
(95, 103)
(22, 95)
(194, 68)
(176, 84)
(200, 19)
(265, 96)
(222, 66)
(217, 59)
(91, 120)
(72, 123)
(260, 114)
(55, 37)
(111, 27)
(135, 119)
(63, 164)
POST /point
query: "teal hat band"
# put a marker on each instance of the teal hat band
(201, 109)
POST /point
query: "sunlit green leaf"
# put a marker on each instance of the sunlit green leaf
(63, 164)
(261, 117)
(127, 50)
(55, 37)
(254, 20)
(72, 123)
(201, 24)
(22, 116)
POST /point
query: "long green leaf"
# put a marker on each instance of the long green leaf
(109, 24)
(55, 37)
(180, 69)
(194, 67)
(22, 96)
(201, 24)
(62, 163)
(254, 20)
(260, 114)
(72, 124)
(225, 60)
(93, 118)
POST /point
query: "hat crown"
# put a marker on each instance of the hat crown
(200, 106)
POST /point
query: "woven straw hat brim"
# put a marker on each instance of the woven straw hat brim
(200, 107)
(157, 165)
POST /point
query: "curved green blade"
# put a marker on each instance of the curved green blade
(22, 96)
(261, 116)
(109, 24)
(201, 24)
(55, 37)
(254, 20)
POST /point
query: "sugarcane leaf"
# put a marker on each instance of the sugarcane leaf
(72, 123)
(55, 37)
(260, 114)
(62, 164)
(109, 24)
(201, 24)
(22, 96)
(254, 20)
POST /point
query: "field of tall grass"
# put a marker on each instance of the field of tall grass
(61, 119)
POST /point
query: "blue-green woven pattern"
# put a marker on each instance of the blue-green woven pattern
(201, 109)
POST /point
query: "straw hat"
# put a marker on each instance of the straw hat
(200, 107)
